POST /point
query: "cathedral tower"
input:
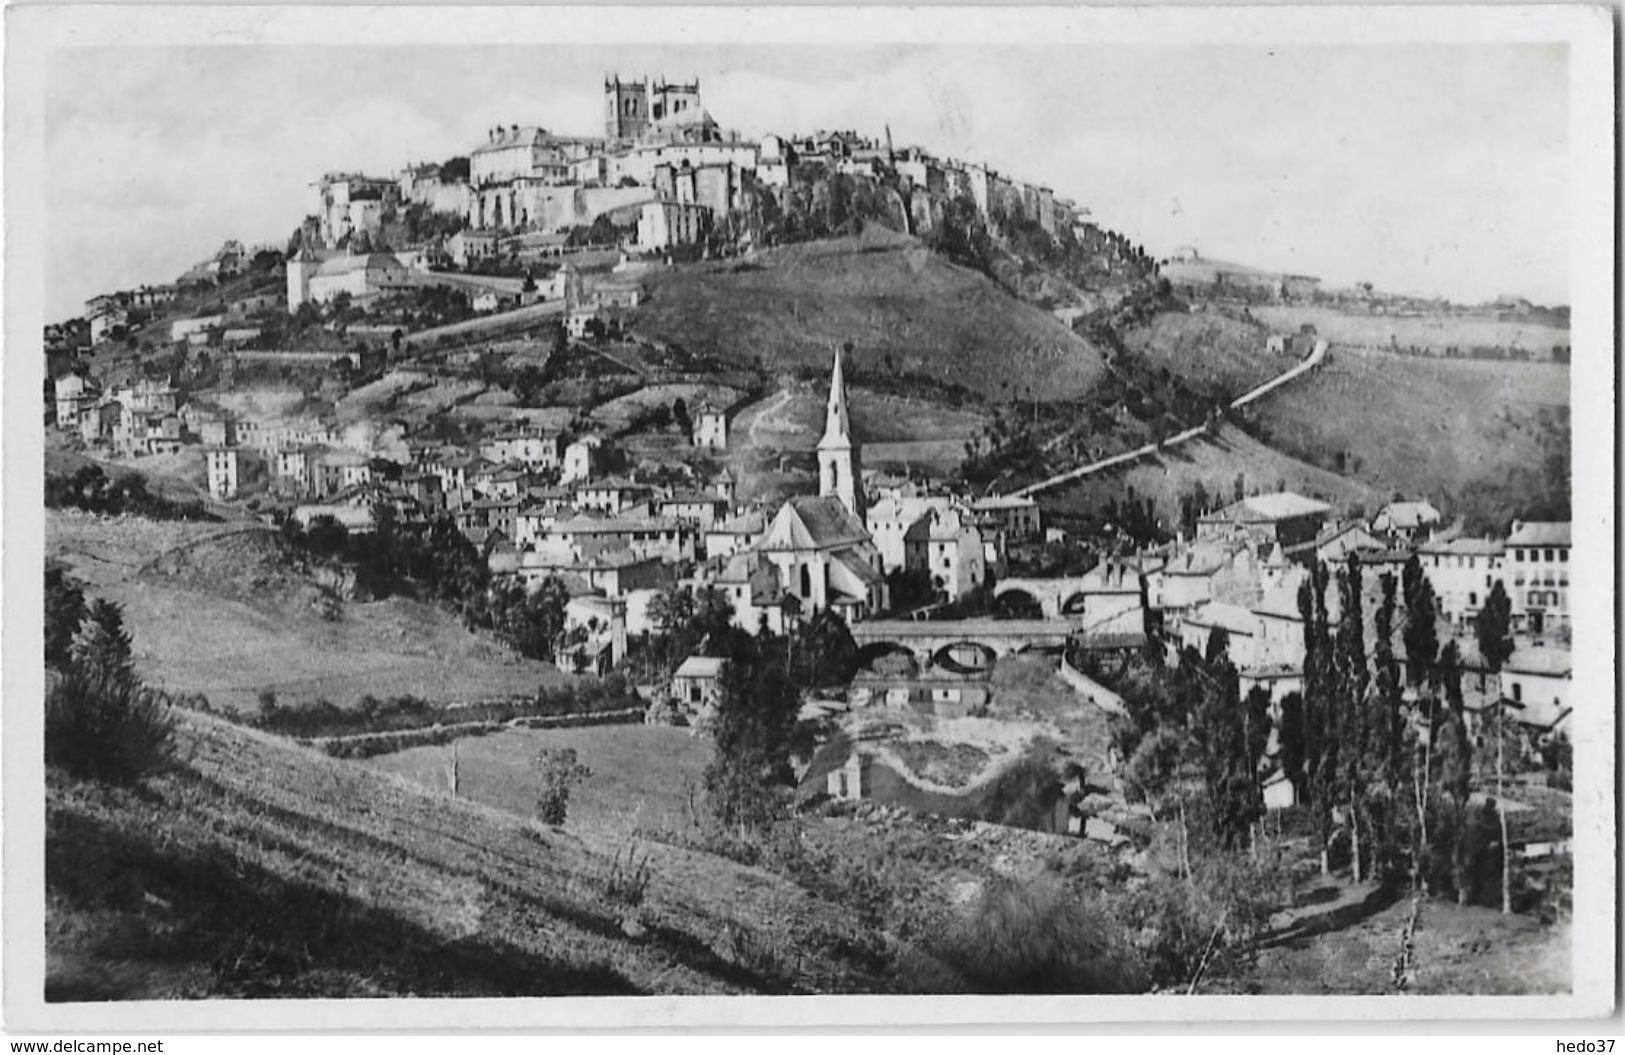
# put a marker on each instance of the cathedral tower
(839, 468)
(626, 108)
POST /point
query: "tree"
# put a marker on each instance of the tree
(1388, 752)
(326, 536)
(1320, 732)
(821, 652)
(1293, 749)
(1456, 771)
(679, 414)
(1494, 631)
(100, 721)
(755, 719)
(1421, 630)
(558, 772)
(101, 648)
(1352, 679)
(64, 610)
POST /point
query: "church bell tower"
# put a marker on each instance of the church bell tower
(839, 468)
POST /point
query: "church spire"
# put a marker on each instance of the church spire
(840, 473)
(837, 423)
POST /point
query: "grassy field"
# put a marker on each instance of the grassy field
(214, 609)
(1218, 353)
(1215, 463)
(885, 293)
(259, 869)
(793, 419)
(616, 413)
(641, 774)
(1458, 950)
(1433, 332)
(1470, 434)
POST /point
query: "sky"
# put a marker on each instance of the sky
(1431, 169)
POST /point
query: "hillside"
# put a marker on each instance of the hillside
(909, 314)
(1211, 350)
(1490, 439)
(1215, 463)
(218, 609)
(259, 869)
(1431, 333)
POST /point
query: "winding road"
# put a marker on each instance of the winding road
(1314, 359)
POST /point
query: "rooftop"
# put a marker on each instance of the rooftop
(1539, 533)
(700, 667)
(1282, 505)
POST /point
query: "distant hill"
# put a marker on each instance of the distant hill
(1490, 439)
(908, 312)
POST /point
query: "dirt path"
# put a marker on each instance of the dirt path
(1315, 358)
(771, 414)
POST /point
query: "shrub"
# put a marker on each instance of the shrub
(111, 729)
(559, 772)
(628, 878)
(1039, 937)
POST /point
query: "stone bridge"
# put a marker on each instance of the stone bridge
(1054, 597)
(1109, 594)
(959, 645)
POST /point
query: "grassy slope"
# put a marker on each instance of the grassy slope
(1458, 950)
(213, 609)
(1206, 348)
(262, 869)
(640, 773)
(1432, 332)
(1214, 462)
(885, 293)
(1422, 426)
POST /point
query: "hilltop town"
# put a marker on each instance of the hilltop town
(837, 483)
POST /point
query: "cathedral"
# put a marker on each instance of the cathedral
(819, 545)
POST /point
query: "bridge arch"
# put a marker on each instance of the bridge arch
(1017, 602)
(1075, 604)
(884, 657)
(965, 657)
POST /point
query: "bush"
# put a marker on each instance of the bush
(110, 729)
(627, 881)
(1039, 937)
(559, 772)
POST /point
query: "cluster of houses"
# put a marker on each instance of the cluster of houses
(140, 418)
(663, 168)
(1242, 573)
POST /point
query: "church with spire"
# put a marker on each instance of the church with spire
(819, 546)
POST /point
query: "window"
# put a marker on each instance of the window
(1517, 692)
(1472, 598)
(806, 581)
(1549, 556)
(1517, 555)
(1563, 555)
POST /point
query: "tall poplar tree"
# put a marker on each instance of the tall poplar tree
(1421, 624)
(1494, 632)
(1352, 676)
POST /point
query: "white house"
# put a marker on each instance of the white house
(1537, 681)
(581, 459)
(222, 469)
(711, 429)
(1462, 572)
(1537, 560)
(947, 547)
